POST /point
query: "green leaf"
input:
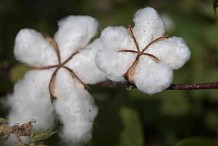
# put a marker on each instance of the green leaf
(198, 142)
(40, 136)
(215, 5)
(132, 134)
(17, 72)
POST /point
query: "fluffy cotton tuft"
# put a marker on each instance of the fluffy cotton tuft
(152, 72)
(83, 29)
(66, 63)
(114, 64)
(148, 25)
(29, 46)
(31, 100)
(89, 72)
(75, 109)
(148, 80)
(172, 51)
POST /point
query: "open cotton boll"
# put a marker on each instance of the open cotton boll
(148, 25)
(114, 64)
(151, 59)
(152, 77)
(172, 51)
(74, 33)
(31, 100)
(64, 80)
(29, 46)
(89, 73)
(75, 108)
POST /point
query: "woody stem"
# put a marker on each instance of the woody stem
(195, 86)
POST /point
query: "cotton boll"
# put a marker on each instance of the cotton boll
(84, 65)
(74, 33)
(31, 100)
(172, 51)
(117, 38)
(114, 64)
(152, 77)
(29, 46)
(75, 108)
(148, 26)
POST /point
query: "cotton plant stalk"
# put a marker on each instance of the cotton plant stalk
(61, 69)
(142, 54)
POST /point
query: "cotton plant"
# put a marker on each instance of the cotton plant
(56, 85)
(142, 55)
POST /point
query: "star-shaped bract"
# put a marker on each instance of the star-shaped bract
(61, 68)
(142, 54)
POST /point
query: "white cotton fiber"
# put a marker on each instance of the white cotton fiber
(74, 33)
(116, 38)
(77, 113)
(114, 64)
(172, 51)
(75, 107)
(152, 77)
(148, 26)
(29, 46)
(31, 100)
(84, 64)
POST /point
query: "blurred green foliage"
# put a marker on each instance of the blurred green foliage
(131, 118)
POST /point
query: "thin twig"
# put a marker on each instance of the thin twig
(198, 86)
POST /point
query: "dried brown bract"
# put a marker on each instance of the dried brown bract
(18, 130)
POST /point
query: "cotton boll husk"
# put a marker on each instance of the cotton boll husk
(148, 26)
(172, 51)
(114, 64)
(75, 107)
(29, 46)
(83, 64)
(31, 100)
(152, 77)
(117, 38)
(74, 33)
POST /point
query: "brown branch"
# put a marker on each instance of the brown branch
(199, 86)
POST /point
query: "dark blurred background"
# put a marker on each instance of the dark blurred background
(130, 118)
